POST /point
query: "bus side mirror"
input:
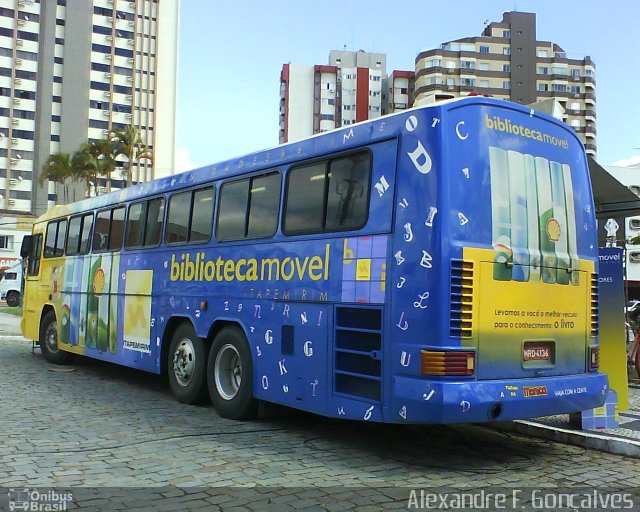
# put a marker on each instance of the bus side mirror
(25, 248)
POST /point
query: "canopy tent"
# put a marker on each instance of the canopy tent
(612, 198)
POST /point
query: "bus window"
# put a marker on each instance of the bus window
(178, 220)
(101, 231)
(117, 229)
(265, 203)
(328, 196)
(55, 240)
(305, 199)
(249, 208)
(73, 240)
(78, 237)
(34, 256)
(190, 216)
(144, 224)
(155, 216)
(50, 240)
(61, 237)
(135, 225)
(85, 235)
(109, 230)
(233, 210)
(201, 215)
(348, 192)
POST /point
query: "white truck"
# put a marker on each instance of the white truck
(11, 285)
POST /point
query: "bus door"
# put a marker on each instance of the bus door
(34, 290)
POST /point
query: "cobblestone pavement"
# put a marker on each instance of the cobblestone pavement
(109, 434)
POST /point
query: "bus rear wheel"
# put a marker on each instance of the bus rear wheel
(13, 298)
(49, 340)
(230, 375)
(188, 365)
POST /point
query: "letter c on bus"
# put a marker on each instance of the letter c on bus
(308, 348)
(267, 337)
(459, 134)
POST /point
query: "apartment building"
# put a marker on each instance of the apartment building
(400, 87)
(70, 71)
(319, 98)
(507, 61)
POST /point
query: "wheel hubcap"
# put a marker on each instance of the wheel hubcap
(228, 372)
(184, 362)
(51, 337)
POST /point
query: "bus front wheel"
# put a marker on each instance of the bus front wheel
(230, 375)
(49, 340)
(188, 365)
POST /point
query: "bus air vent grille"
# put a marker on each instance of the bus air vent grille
(594, 317)
(358, 352)
(461, 316)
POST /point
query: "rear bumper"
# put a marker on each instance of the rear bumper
(427, 401)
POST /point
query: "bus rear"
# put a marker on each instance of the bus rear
(510, 314)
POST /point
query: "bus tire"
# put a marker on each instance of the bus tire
(13, 298)
(49, 340)
(187, 365)
(230, 375)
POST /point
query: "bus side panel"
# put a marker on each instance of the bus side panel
(282, 294)
(416, 268)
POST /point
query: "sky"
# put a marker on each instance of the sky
(231, 53)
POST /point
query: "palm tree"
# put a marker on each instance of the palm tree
(58, 168)
(129, 144)
(90, 163)
(106, 151)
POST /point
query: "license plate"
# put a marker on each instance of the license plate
(536, 353)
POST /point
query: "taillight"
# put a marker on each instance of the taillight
(447, 363)
(594, 358)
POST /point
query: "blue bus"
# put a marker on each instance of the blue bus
(433, 266)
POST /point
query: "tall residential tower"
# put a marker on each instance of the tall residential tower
(71, 70)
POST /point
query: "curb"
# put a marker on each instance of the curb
(585, 439)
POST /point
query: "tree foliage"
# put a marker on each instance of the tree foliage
(128, 143)
(95, 160)
(58, 168)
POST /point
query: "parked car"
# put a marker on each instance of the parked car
(11, 284)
